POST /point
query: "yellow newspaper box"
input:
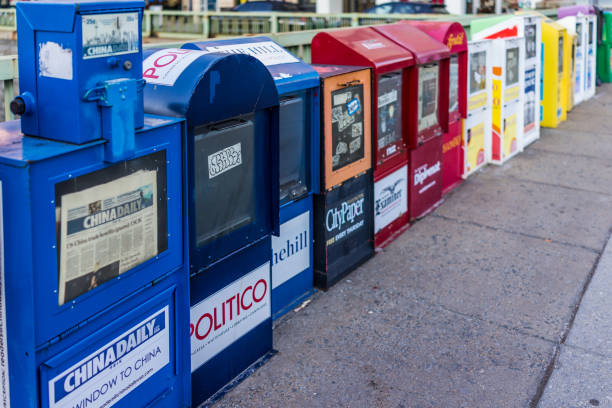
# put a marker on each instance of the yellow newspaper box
(553, 39)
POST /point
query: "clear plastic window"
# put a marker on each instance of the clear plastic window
(293, 125)
(453, 97)
(108, 222)
(530, 41)
(590, 33)
(347, 126)
(428, 96)
(389, 109)
(579, 33)
(512, 66)
(560, 62)
(478, 72)
(224, 180)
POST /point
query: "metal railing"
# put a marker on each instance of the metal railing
(292, 31)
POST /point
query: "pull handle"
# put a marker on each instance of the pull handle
(349, 83)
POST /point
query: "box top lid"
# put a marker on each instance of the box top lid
(450, 33)
(361, 46)
(289, 72)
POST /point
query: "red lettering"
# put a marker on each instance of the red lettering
(223, 313)
(159, 65)
(230, 305)
(217, 325)
(238, 303)
(190, 329)
(150, 73)
(264, 290)
(242, 301)
(197, 328)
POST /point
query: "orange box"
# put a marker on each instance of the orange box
(346, 123)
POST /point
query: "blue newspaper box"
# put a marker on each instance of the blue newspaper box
(93, 293)
(66, 48)
(298, 89)
(92, 271)
(94, 299)
(231, 202)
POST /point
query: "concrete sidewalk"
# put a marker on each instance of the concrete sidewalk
(471, 306)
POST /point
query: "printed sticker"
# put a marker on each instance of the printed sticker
(291, 249)
(352, 106)
(165, 66)
(54, 61)
(108, 374)
(267, 52)
(244, 303)
(5, 395)
(390, 198)
(110, 34)
(224, 160)
(372, 44)
(387, 98)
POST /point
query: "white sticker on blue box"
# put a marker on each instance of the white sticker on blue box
(110, 34)
(107, 375)
(267, 52)
(291, 250)
(5, 395)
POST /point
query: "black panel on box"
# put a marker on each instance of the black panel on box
(224, 177)
(293, 149)
(344, 230)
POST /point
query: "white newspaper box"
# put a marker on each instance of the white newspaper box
(578, 26)
(507, 84)
(533, 78)
(477, 125)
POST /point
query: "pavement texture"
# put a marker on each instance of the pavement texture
(497, 299)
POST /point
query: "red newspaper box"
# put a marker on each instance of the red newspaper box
(428, 114)
(391, 65)
(453, 35)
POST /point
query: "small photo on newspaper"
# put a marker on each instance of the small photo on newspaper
(105, 229)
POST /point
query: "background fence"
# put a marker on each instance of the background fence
(291, 30)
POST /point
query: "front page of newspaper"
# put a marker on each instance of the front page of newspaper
(106, 230)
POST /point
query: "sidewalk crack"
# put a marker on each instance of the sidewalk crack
(522, 234)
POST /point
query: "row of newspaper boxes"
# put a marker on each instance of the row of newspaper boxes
(167, 205)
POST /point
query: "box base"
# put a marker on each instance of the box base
(343, 266)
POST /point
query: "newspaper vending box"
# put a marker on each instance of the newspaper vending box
(453, 35)
(477, 126)
(533, 75)
(529, 26)
(576, 25)
(93, 293)
(507, 84)
(343, 215)
(589, 16)
(428, 114)
(604, 56)
(553, 38)
(299, 134)
(231, 202)
(390, 65)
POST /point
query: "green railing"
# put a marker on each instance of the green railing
(292, 31)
